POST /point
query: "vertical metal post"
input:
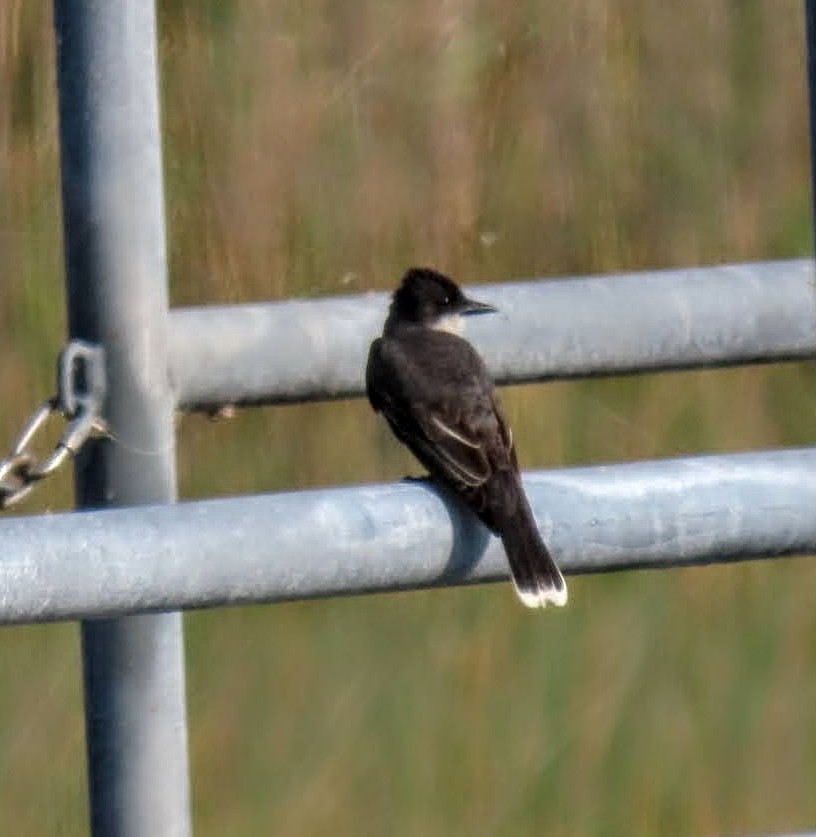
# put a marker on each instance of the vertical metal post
(117, 296)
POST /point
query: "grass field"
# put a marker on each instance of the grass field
(316, 148)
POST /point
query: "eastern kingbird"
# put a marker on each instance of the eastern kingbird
(435, 391)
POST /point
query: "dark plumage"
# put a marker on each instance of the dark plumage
(434, 390)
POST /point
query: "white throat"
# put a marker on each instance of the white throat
(451, 323)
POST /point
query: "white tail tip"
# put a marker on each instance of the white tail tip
(543, 596)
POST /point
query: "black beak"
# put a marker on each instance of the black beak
(473, 306)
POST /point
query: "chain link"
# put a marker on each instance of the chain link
(81, 383)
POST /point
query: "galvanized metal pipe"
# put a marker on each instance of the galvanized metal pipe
(602, 325)
(117, 297)
(393, 537)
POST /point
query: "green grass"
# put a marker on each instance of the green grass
(316, 148)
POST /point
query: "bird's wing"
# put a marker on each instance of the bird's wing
(447, 416)
(440, 441)
(505, 430)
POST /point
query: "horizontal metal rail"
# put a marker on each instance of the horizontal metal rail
(393, 537)
(672, 319)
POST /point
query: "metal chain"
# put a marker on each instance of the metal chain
(81, 394)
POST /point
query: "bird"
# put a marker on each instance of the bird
(435, 392)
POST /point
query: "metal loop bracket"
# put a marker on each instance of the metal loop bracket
(81, 377)
(80, 398)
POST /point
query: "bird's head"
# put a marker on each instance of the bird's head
(429, 298)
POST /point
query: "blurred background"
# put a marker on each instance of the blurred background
(316, 148)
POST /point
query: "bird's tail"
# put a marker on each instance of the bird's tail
(536, 575)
